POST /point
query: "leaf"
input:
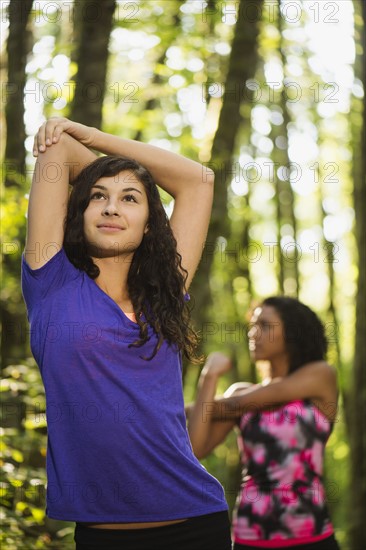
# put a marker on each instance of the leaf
(38, 514)
(17, 455)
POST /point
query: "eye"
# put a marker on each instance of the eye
(129, 198)
(97, 196)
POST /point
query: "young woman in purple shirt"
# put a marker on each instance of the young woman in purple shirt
(105, 278)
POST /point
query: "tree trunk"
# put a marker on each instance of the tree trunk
(77, 25)
(285, 198)
(14, 336)
(17, 49)
(92, 58)
(357, 399)
(330, 259)
(242, 66)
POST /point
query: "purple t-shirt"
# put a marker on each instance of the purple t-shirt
(118, 447)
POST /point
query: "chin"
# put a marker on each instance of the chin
(103, 250)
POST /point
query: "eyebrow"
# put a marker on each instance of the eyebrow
(125, 190)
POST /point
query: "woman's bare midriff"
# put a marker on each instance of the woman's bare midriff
(132, 525)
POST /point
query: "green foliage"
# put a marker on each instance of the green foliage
(13, 207)
(337, 478)
(159, 72)
(23, 452)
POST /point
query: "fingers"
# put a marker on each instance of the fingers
(56, 133)
(216, 364)
(39, 144)
(48, 134)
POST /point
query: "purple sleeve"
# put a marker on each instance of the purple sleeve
(38, 283)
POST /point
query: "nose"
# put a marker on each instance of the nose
(110, 209)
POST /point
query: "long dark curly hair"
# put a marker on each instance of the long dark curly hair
(156, 278)
(304, 332)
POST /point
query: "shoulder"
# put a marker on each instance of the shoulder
(317, 380)
(328, 371)
(319, 369)
(322, 377)
(52, 275)
(54, 261)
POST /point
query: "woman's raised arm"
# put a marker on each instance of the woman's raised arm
(316, 381)
(188, 182)
(211, 418)
(55, 167)
(204, 433)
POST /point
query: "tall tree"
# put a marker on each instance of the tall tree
(285, 197)
(330, 259)
(241, 67)
(357, 399)
(13, 321)
(18, 45)
(92, 57)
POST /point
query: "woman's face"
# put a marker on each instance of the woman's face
(115, 219)
(266, 335)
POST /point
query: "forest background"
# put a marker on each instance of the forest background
(269, 94)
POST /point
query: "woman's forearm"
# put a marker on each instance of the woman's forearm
(188, 182)
(76, 156)
(315, 381)
(174, 173)
(55, 168)
(170, 171)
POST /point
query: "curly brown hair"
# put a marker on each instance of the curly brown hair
(156, 279)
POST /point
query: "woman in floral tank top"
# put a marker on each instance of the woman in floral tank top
(283, 425)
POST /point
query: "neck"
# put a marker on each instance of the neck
(279, 367)
(113, 276)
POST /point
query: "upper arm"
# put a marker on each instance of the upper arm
(190, 220)
(316, 381)
(220, 429)
(49, 197)
(217, 431)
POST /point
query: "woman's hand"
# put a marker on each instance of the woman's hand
(216, 364)
(49, 133)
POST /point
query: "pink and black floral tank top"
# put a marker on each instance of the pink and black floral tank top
(282, 498)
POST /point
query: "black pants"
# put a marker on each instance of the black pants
(209, 532)
(326, 544)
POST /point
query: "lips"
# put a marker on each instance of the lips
(110, 226)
